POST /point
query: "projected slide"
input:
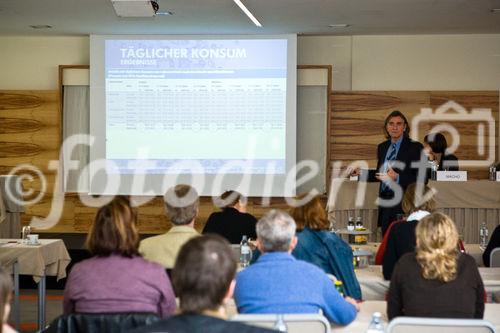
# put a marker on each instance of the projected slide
(209, 101)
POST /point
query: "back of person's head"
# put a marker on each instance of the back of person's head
(416, 198)
(310, 215)
(393, 114)
(181, 204)
(114, 230)
(230, 199)
(275, 231)
(437, 142)
(436, 249)
(5, 296)
(203, 273)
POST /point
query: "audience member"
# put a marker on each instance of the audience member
(116, 278)
(323, 248)
(233, 222)
(436, 280)
(278, 283)
(493, 243)
(401, 238)
(5, 298)
(181, 205)
(435, 146)
(203, 279)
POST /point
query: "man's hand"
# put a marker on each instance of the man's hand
(353, 171)
(385, 176)
(353, 302)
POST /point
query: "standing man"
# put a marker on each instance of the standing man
(395, 157)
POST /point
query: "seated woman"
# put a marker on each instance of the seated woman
(401, 237)
(5, 298)
(117, 278)
(493, 243)
(233, 222)
(436, 280)
(323, 248)
(435, 146)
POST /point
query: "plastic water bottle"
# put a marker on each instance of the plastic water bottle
(376, 325)
(493, 172)
(280, 324)
(483, 236)
(245, 252)
(434, 169)
(350, 224)
(359, 223)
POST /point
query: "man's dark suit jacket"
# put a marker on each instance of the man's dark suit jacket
(196, 323)
(231, 224)
(409, 151)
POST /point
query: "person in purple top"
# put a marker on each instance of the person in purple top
(278, 283)
(117, 279)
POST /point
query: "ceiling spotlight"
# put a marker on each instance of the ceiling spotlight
(248, 13)
(41, 26)
(339, 25)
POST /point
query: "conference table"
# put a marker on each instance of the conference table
(468, 203)
(471, 249)
(374, 287)
(47, 258)
(367, 308)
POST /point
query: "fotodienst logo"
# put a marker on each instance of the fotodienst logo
(454, 112)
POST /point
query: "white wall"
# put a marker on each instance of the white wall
(423, 62)
(31, 63)
(444, 62)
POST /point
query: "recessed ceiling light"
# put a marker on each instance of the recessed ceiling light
(495, 10)
(165, 13)
(41, 26)
(339, 25)
(248, 13)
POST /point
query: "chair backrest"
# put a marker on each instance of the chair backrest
(495, 257)
(100, 322)
(438, 325)
(295, 323)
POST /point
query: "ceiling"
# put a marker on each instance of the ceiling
(307, 17)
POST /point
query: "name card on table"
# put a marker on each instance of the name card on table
(452, 176)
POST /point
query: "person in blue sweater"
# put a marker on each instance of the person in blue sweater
(279, 283)
(317, 245)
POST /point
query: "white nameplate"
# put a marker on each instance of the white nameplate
(498, 176)
(452, 176)
(354, 178)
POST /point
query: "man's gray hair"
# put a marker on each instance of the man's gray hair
(181, 204)
(275, 231)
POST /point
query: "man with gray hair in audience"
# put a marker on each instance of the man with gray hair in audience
(181, 206)
(278, 283)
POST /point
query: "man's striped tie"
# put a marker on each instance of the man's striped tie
(391, 157)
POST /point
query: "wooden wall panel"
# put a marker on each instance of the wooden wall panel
(30, 133)
(357, 120)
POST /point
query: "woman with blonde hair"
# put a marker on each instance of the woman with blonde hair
(436, 280)
(117, 278)
(317, 245)
(417, 203)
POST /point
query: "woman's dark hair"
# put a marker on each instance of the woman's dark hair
(5, 293)
(114, 230)
(229, 199)
(393, 114)
(203, 272)
(437, 142)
